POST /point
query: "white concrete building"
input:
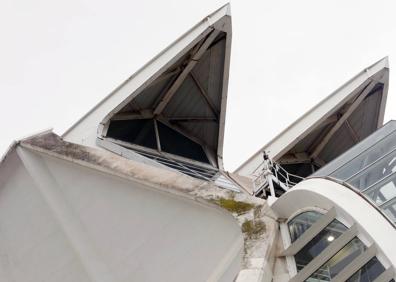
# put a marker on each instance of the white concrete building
(136, 189)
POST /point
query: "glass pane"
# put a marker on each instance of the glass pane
(176, 143)
(368, 272)
(378, 150)
(299, 224)
(383, 191)
(374, 173)
(319, 243)
(338, 262)
(390, 210)
(139, 131)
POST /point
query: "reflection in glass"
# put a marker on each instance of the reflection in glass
(319, 243)
(390, 210)
(370, 167)
(299, 224)
(375, 172)
(368, 272)
(383, 190)
(367, 157)
(338, 262)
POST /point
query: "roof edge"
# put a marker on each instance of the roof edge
(16, 142)
(365, 74)
(185, 39)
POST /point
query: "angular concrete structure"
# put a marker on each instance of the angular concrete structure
(136, 189)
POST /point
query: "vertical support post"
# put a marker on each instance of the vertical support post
(271, 185)
(157, 138)
(267, 168)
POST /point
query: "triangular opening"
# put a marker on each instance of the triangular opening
(336, 134)
(179, 112)
(329, 129)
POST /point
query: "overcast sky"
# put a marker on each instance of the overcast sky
(59, 58)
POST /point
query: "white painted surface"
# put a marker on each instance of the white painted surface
(308, 122)
(129, 231)
(91, 125)
(350, 207)
(250, 275)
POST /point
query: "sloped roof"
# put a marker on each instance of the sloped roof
(345, 117)
(183, 89)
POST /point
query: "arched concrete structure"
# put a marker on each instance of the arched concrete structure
(351, 208)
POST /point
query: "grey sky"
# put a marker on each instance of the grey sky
(59, 58)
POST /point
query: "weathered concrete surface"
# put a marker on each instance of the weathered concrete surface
(256, 220)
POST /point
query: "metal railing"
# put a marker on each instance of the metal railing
(271, 173)
(211, 175)
(189, 169)
(289, 179)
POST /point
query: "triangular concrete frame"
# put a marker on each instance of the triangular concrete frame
(330, 111)
(95, 123)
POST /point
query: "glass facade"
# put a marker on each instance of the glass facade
(300, 223)
(338, 262)
(368, 272)
(370, 167)
(319, 243)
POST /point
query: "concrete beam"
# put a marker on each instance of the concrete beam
(327, 254)
(182, 76)
(309, 234)
(343, 118)
(386, 276)
(356, 264)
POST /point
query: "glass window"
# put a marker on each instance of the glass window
(338, 262)
(299, 224)
(374, 173)
(319, 243)
(367, 157)
(390, 209)
(368, 272)
(383, 191)
(370, 167)
(176, 143)
(139, 131)
(142, 133)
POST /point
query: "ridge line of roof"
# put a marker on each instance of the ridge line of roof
(205, 22)
(383, 63)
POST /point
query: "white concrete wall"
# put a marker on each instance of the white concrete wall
(33, 246)
(60, 221)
